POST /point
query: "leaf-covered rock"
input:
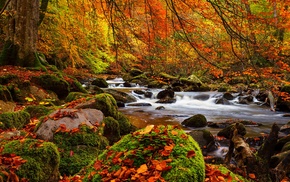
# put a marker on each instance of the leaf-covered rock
(153, 153)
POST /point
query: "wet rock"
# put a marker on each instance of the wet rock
(100, 82)
(197, 121)
(148, 94)
(285, 128)
(228, 96)
(127, 84)
(139, 92)
(167, 93)
(160, 108)
(166, 101)
(121, 96)
(202, 97)
(246, 99)
(222, 101)
(286, 147)
(205, 140)
(226, 132)
(135, 72)
(139, 104)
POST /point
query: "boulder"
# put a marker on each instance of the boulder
(222, 101)
(166, 101)
(285, 128)
(246, 99)
(226, 132)
(139, 104)
(9, 120)
(228, 96)
(135, 72)
(202, 97)
(70, 119)
(121, 96)
(30, 160)
(100, 82)
(205, 140)
(196, 121)
(5, 94)
(162, 153)
(167, 93)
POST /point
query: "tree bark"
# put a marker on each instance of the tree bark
(20, 44)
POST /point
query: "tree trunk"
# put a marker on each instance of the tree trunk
(21, 33)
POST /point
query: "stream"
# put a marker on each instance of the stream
(187, 105)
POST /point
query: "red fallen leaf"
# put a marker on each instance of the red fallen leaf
(61, 128)
(165, 152)
(252, 176)
(117, 159)
(75, 130)
(128, 162)
(143, 168)
(71, 153)
(190, 154)
(109, 154)
(184, 136)
(98, 165)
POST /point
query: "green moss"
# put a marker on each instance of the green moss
(42, 159)
(111, 129)
(142, 148)
(286, 88)
(234, 177)
(53, 83)
(37, 111)
(80, 148)
(107, 104)
(14, 119)
(75, 95)
(124, 124)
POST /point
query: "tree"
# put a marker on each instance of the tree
(21, 33)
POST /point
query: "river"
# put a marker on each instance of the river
(187, 105)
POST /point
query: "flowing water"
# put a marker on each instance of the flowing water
(187, 105)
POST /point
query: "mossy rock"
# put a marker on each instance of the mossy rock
(79, 147)
(286, 147)
(168, 77)
(42, 159)
(197, 120)
(121, 96)
(36, 111)
(156, 84)
(124, 124)
(135, 72)
(225, 173)
(141, 153)
(100, 82)
(192, 79)
(228, 131)
(14, 119)
(111, 130)
(5, 94)
(75, 95)
(76, 86)
(107, 104)
(53, 83)
(140, 79)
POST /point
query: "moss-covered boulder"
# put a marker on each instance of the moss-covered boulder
(135, 72)
(14, 119)
(78, 147)
(155, 153)
(111, 129)
(221, 173)
(36, 111)
(30, 160)
(75, 95)
(100, 82)
(120, 96)
(53, 83)
(197, 121)
(103, 102)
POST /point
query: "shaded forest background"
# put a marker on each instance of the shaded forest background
(217, 38)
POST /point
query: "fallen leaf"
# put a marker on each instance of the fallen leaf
(143, 168)
(147, 130)
(190, 154)
(252, 176)
(173, 132)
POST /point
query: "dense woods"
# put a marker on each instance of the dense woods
(48, 47)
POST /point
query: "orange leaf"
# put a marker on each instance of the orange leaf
(173, 132)
(252, 176)
(143, 168)
(190, 154)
